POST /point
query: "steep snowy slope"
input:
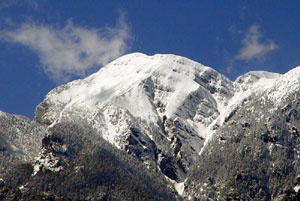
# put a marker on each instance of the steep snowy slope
(162, 109)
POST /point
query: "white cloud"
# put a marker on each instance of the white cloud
(253, 45)
(71, 50)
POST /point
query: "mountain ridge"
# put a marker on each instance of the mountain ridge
(149, 95)
(167, 112)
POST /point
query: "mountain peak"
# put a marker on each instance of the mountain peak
(254, 76)
(175, 76)
(162, 110)
(157, 108)
(141, 98)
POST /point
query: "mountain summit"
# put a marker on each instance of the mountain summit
(160, 108)
(174, 116)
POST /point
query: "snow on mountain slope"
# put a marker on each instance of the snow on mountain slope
(123, 76)
(20, 139)
(272, 86)
(160, 108)
(247, 86)
(284, 85)
(156, 107)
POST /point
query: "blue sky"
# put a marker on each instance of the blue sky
(45, 43)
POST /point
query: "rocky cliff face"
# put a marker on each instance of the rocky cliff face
(173, 115)
(253, 156)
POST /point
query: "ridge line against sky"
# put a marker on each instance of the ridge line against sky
(45, 43)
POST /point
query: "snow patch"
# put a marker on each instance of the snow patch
(2, 113)
(179, 188)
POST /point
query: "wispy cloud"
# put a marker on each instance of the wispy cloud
(254, 45)
(71, 50)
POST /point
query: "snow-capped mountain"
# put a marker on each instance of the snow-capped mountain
(160, 108)
(179, 120)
